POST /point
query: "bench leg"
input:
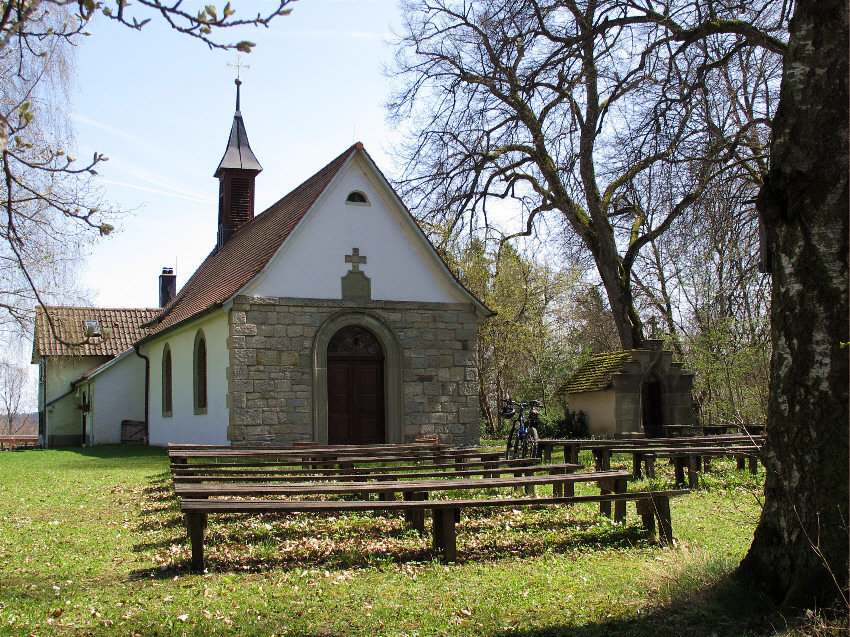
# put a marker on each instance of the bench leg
(649, 465)
(693, 472)
(415, 519)
(637, 460)
(679, 468)
(547, 454)
(661, 504)
(657, 508)
(620, 486)
(742, 462)
(445, 533)
(646, 510)
(606, 487)
(754, 465)
(529, 488)
(196, 523)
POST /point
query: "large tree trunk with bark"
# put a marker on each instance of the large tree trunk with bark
(799, 553)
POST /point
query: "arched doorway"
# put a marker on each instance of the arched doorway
(355, 368)
(653, 408)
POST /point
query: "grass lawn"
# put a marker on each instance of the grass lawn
(91, 543)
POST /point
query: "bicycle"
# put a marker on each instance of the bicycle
(522, 441)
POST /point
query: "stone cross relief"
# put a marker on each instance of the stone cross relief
(355, 259)
(355, 283)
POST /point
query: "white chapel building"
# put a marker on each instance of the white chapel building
(328, 317)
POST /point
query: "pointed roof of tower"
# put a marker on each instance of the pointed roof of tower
(238, 154)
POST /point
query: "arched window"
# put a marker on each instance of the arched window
(200, 375)
(167, 386)
(357, 197)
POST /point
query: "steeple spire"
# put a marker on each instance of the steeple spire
(236, 172)
(238, 153)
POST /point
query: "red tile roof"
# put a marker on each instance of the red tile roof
(70, 322)
(225, 272)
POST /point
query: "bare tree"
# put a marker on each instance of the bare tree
(49, 202)
(560, 108)
(12, 381)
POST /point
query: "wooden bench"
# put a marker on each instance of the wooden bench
(613, 481)
(692, 458)
(236, 480)
(294, 473)
(12, 441)
(652, 506)
(599, 446)
(325, 458)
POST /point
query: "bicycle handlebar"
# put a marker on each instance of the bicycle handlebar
(531, 403)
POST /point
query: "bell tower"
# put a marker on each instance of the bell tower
(236, 173)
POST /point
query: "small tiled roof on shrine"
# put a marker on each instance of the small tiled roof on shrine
(114, 330)
(596, 373)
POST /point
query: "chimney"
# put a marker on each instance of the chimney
(236, 173)
(167, 286)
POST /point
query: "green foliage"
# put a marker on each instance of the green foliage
(571, 424)
(731, 359)
(521, 351)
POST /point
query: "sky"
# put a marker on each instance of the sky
(160, 105)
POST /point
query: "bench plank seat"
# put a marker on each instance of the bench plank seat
(376, 473)
(389, 486)
(311, 467)
(651, 506)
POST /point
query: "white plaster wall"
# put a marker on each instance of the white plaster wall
(600, 409)
(312, 260)
(63, 417)
(117, 393)
(184, 426)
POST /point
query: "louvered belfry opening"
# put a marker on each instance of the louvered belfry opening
(235, 202)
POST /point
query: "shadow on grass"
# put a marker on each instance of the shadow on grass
(725, 608)
(263, 543)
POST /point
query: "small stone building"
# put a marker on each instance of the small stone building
(634, 391)
(328, 317)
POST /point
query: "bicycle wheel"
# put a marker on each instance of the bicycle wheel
(533, 447)
(513, 443)
(524, 445)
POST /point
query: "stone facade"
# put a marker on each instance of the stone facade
(278, 358)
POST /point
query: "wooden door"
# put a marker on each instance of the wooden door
(355, 388)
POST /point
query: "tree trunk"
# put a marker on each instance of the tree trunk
(799, 553)
(619, 293)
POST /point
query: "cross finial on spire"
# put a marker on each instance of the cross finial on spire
(238, 66)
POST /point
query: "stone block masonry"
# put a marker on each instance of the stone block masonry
(274, 373)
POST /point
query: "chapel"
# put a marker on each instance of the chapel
(328, 317)
(628, 392)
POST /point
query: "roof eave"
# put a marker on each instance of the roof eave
(194, 317)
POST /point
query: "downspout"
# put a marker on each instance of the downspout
(147, 385)
(42, 371)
